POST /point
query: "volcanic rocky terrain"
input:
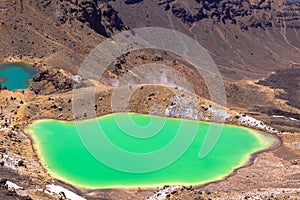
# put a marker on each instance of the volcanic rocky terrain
(254, 43)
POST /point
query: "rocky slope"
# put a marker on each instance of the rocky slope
(243, 37)
(255, 44)
(247, 39)
(57, 33)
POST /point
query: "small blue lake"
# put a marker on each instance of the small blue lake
(16, 76)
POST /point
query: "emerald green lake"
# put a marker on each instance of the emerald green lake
(16, 76)
(61, 150)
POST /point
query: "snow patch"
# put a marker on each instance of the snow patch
(162, 194)
(55, 189)
(251, 122)
(13, 185)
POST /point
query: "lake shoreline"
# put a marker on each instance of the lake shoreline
(29, 97)
(250, 162)
(277, 143)
(20, 78)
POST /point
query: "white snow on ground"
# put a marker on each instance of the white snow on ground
(250, 121)
(162, 194)
(293, 119)
(277, 116)
(280, 116)
(13, 185)
(56, 189)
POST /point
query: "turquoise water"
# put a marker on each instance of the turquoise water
(61, 150)
(16, 76)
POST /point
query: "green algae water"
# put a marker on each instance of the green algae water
(63, 154)
(16, 76)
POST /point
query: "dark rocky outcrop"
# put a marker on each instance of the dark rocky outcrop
(132, 1)
(54, 80)
(97, 14)
(247, 14)
(287, 80)
(288, 16)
